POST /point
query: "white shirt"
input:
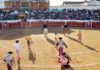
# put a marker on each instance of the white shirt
(45, 30)
(8, 58)
(17, 46)
(60, 44)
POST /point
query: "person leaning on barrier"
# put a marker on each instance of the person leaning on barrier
(65, 28)
(45, 29)
(45, 26)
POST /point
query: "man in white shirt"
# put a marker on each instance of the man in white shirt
(60, 45)
(17, 48)
(9, 60)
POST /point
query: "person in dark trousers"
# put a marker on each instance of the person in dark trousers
(65, 28)
(9, 59)
(45, 26)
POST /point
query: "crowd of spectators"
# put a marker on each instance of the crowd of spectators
(73, 14)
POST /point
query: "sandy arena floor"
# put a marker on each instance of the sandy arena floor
(44, 54)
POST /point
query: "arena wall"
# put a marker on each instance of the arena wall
(40, 23)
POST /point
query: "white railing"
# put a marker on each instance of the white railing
(75, 7)
(48, 20)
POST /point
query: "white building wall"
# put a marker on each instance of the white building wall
(75, 7)
(94, 2)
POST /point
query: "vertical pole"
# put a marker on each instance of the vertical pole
(91, 24)
(8, 25)
(2, 26)
(38, 5)
(21, 24)
(30, 24)
(85, 24)
(20, 4)
(29, 4)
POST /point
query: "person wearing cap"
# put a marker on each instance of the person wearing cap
(9, 59)
(17, 48)
(60, 45)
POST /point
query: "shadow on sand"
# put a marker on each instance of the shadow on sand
(19, 67)
(13, 34)
(87, 46)
(50, 40)
(32, 56)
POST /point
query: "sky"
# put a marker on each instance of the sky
(59, 2)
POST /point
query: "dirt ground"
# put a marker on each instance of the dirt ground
(44, 55)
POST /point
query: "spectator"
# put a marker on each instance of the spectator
(74, 14)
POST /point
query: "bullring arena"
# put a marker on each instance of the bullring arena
(44, 54)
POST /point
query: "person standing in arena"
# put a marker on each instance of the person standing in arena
(65, 28)
(56, 39)
(29, 41)
(9, 59)
(60, 46)
(45, 29)
(17, 48)
(45, 25)
(65, 62)
(79, 37)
